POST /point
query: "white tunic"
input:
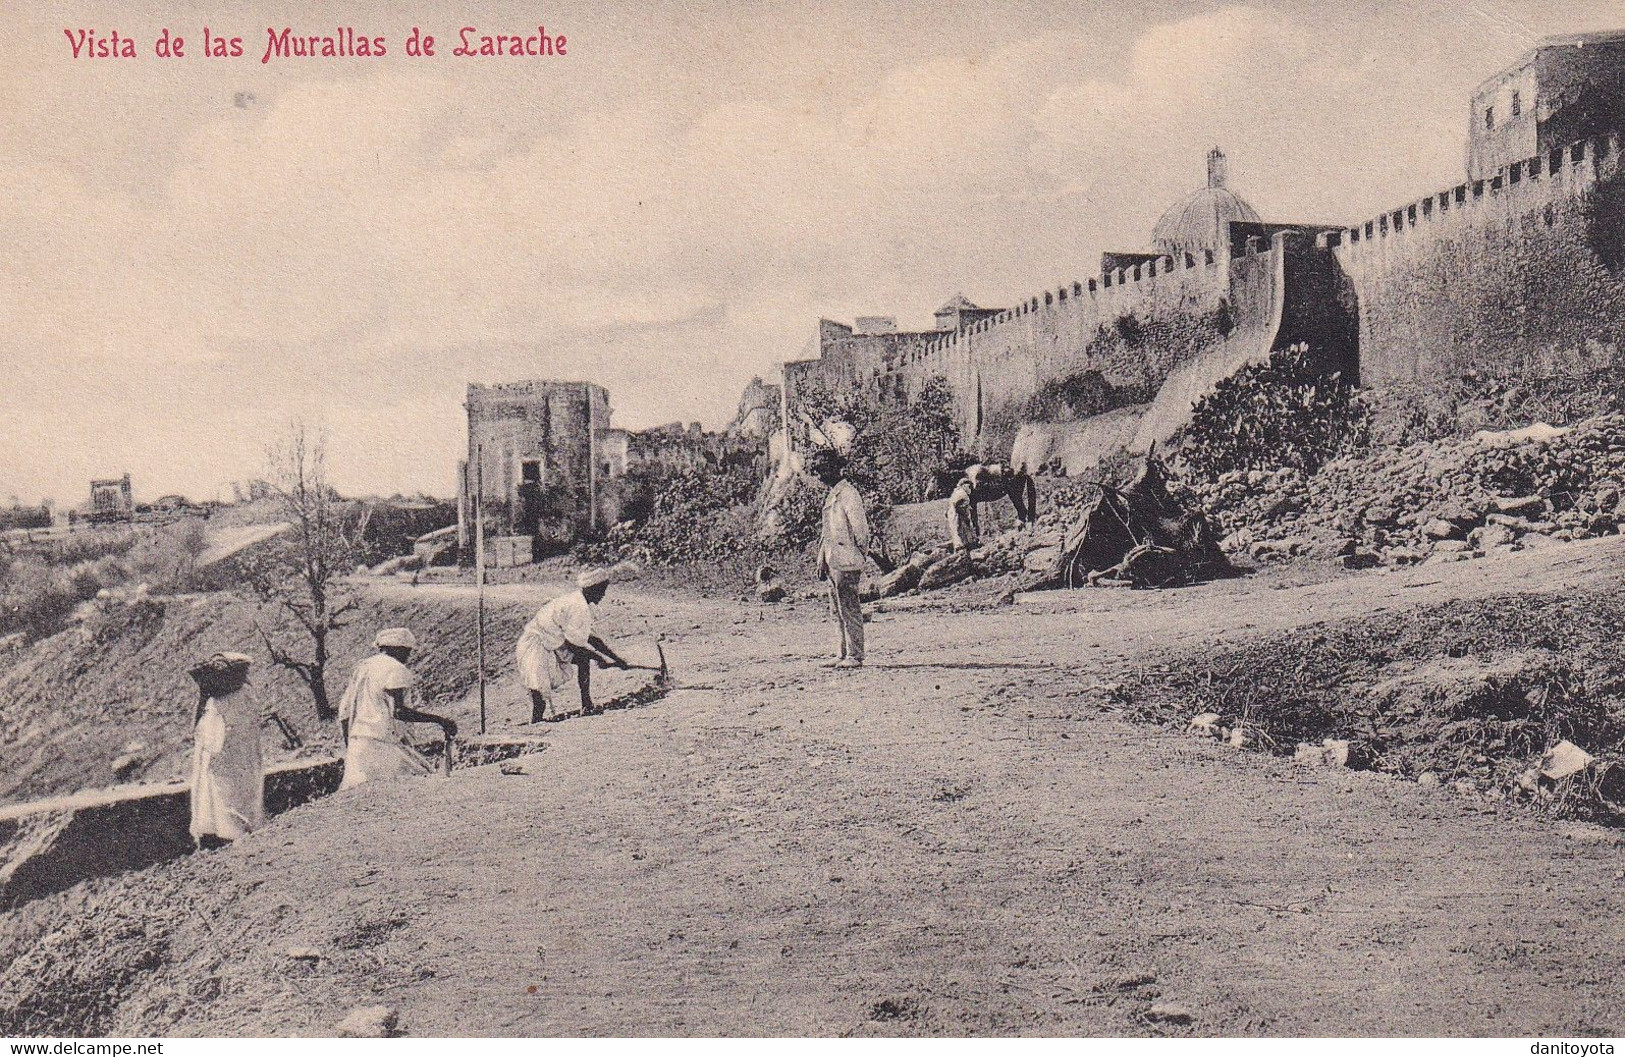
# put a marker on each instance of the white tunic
(377, 747)
(566, 621)
(228, 777)
(961, 529)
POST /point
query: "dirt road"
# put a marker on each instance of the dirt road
(956, 839)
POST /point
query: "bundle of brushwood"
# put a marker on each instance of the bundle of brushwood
(1139, 536)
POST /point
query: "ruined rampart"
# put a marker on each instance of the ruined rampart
(1131, 326)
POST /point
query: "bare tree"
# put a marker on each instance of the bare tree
(298, 574)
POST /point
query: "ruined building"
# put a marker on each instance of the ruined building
(111, 499)
(538, 453)
(758, 414)
(1518, 269)
(551, 469)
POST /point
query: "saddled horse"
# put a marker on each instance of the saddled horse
(991, 482)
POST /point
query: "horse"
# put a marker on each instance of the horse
(991, 482)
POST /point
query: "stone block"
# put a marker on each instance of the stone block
(1206, 724)
(369, 1022)
(1440, 529)
(903, 578)
(1523, 504)
(946, 572)
(1565, 759)
(1169, 1013)
(1491, 536)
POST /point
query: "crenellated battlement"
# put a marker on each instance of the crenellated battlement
(1563, 172)
(1518, 273)
(1115, 290)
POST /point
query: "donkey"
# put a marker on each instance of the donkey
(991, 482)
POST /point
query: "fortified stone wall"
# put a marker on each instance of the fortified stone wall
(1132, 333)
(1132, 326)
(1159, 333)
(1519, 274)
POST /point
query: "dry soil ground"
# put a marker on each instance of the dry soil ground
(959, 838)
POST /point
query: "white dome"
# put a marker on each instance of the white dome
(1201, 221)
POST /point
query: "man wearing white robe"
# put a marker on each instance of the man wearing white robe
(373, 714)
(560, 637)
(228, 774)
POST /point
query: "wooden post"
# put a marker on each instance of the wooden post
(479, 573)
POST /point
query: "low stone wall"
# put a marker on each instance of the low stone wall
(51, 845)
(913, 524)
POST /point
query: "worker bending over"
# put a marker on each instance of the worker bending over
(562, 634)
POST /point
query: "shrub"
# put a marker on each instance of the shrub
(1283, 413)
(897, 449)
(794, 514)
(167, 559)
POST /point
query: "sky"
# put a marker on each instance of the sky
(196, 252)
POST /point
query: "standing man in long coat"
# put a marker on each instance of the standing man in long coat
(842, 547)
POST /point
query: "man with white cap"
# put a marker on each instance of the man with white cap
(373, 714)
(562, 634)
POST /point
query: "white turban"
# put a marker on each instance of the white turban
(592, 578)
(401, 637)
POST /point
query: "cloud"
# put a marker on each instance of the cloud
(360, 244)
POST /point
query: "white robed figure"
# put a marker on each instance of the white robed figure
(964, 533)
(228, 773)
(560, 640)
(373, 714)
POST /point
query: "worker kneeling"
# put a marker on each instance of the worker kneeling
(561, 634)
(373, 714)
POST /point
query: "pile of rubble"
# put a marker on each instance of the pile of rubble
(1139, 536)
(1436, 501)
(1506, 698)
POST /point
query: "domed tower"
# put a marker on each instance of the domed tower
(1202, 221)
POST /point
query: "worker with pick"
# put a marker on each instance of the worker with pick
(561, 634)
(373, 714)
